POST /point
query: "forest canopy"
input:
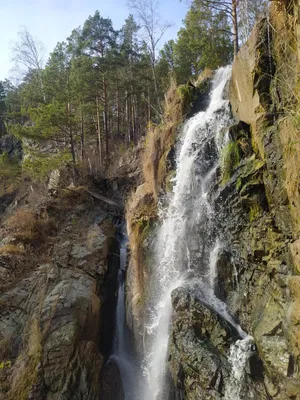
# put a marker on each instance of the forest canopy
(101, 88)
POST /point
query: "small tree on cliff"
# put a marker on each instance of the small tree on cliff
(248, 12)
(28, 56)
(242, 14)
(204, 41)
(230, 8)
(152, 30)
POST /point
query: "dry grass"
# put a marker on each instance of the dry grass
(160, 138)
(284, 5)
(12, 249)
(5, 347)
(25, 371)
(204, 76)
(30, 227)
(141, 211)
(159, 141)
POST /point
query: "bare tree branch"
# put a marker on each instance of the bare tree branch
(152, 31)
(28, 52)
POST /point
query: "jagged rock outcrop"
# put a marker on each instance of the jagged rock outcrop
(196, 362)
(261, 199)
(50, 319)
(11, 146)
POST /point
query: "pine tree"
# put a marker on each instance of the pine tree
(203, 42)
(229, 7)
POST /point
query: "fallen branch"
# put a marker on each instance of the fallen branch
(105, 199)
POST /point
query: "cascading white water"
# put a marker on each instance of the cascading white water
(122, 349)
(240, 352)
(187, 242)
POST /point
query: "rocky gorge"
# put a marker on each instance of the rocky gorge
(58, 303)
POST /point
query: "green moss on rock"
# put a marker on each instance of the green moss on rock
(230, 159)
(254, 212)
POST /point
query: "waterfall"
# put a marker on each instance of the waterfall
(122, 349)
(187, 243)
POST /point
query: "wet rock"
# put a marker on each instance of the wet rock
(198, 346)
(111, 383)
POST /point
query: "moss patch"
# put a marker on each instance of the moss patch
(254, 212)
(230, 159)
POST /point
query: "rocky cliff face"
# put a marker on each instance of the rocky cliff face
(258, 213)
(51, 306)
(59, 260)
(264, 94)
(257, 206)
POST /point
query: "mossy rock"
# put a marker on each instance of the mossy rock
(250, 174)
(187, 94)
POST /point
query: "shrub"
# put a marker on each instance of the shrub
(160, 140)
(11, 249)
(38, 166)
(29, 227)
(10, 172)
(70, 197)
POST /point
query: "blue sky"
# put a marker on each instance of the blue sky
(52, 21)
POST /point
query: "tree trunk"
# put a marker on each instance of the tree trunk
(149, 107)
(105, 116)
(235, 28)
(72, 146)
(111, 125)
(133, 120)
(82, 134)
(159, 109)
(99, 131)
(118, 111)
(127, 112)
(71, 136)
